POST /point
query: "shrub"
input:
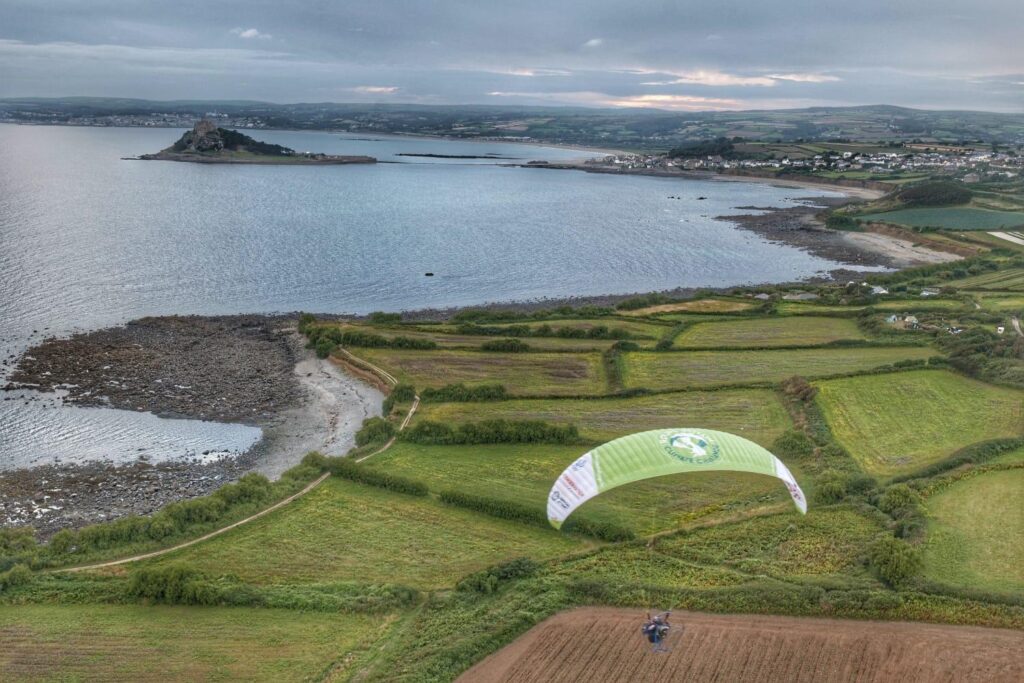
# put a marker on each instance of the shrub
(799, 388)
(502, 509)
(488, 580)
(461, 393)
(17, 575)
(897, 497)
(174, 584)
(507, 345)
(625, 346)
(604, 531)
(895, 561)
(400, 393)
(937, 193)
(348, 469)
(644, 301)
(381, 318)
(793, 444)
(491, 431)
(374, 430)
(305, 320)
(16, 540)
(324, 347)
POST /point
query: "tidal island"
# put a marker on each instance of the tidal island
(208, 144)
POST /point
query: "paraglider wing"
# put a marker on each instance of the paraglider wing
(656, 453)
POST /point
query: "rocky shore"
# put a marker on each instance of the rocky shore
(246, 368)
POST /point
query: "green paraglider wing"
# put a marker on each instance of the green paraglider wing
(656, 453)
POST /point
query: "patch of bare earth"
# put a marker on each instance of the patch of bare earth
(603, 644)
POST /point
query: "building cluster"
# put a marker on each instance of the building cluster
(968, 165)
(144, 120)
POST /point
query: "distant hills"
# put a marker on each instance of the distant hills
(621, 128)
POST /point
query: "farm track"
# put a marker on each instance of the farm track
(603, 644)
(295, 496)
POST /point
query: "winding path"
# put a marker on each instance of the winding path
(1016, 325)
(386, 376)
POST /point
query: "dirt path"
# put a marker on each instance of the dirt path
(604, 644)
(312, 485)
(1016, 326)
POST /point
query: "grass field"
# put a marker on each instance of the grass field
(686, 369)
(898, 423)
(556, 374)
(952, 218)
(994, 302)
(138, 643)
(1010, 279)
(801, 308)
(524, 473)
(637, 328)
(344, 531)
(761, 332)
(695, 306)
(820, 543)
(975, 530)
(920, 304)
(754, 413)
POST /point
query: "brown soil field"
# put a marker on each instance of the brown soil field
(603, 644)
(695, 306)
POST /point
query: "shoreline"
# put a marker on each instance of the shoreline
(313, 405)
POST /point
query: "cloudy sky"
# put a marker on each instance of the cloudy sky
(671, 54)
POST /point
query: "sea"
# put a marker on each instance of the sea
(90, 239)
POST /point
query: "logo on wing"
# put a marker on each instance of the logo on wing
(690, 447)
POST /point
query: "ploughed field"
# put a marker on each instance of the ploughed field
(596, 644)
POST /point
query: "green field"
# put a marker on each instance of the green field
(994, 302)
(556, 374)
(754, 413)
(802, 308)
(636, 328)
(140, 643)
(1010, 280)
(975, 533)
(952, 218)
(344, 531)
(820, 543)
(762, 332)
(898, 423)
(452, 340)
(524, 473)
(920, 304)
(686, 369)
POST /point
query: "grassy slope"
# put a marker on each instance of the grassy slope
(680, 370)
(1011, 279)
(523, 373)
(754, 413)
(136, 643)
(975, 530)
(348, 532)
(894, 424)
(524, 474)
(761, 332)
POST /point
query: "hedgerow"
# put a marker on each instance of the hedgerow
(349, 469)
(428, 432)
(460, 393)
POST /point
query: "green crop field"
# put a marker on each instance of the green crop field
(994, 302)
(524, 473)
(344, 531)
(521, 373)
(159, 643)
(920, 304)
(754, 413)
(975, 532)
(952, 218)
(802, 308)
(762, 332)
(898, 423)
(1010, 279)
(685, 369)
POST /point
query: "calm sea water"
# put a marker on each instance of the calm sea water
(89, 240)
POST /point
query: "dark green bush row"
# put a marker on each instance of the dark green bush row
(645, 300)
(505, 345)
(488, 580)
(835, 486)
(493, 316)
(374, 430)
(381, 318)
(935, 193)
(545, 330)
(349, 469)
(975, 454)
(182, 584)
(400, 393)
(17, 575)
(460, 393)
(527, 514)
(491, 431)
(322, 336)
(895, 561)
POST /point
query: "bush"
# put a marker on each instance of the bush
(793, 444)
(895, 561)
(502, 509)
(625, 346)
(324, 347)
(172, 584)
(507, 345)
(305, 321)
(374, 430)
(897, 497)
(381, 318)
(488, 580)
(400, 393)
(461, 393)
(17, 575)
(644, 301)
(16, 540)
(491, 431)
(604, 531)
(799, 388)
(348, 469)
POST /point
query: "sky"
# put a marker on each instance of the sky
(669, 54)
